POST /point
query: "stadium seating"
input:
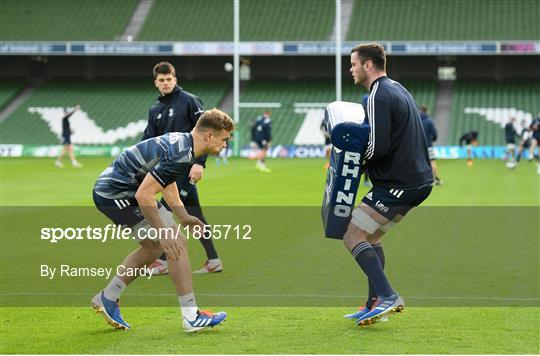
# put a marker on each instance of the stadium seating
(486, 106)
(261, 20)
(110, 104)
(414, 20)
(287, 120)
(62, 20)
(9, 89)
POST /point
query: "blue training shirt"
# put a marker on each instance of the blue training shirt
(165, 157)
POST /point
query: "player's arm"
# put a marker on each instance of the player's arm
(68, 115)
(145, 196)
(379, 138)
(434, 135)
(171, 196)
(269, 132)
(151, 129)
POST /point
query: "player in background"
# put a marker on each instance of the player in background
(66, 140)
(126, 191)
(398, 162)
(510, 134)
(262, 136)
(327, 144)
(535, 141)
(524, 140)
(470, 139)
(430, 131)
(177, 110)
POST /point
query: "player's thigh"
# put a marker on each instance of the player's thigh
(365, 221)
(377, 236)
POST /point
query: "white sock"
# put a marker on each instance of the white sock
(115, 287)
(214, 260)
(188, 306)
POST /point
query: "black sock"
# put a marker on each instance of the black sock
(372, 295)
(367, 259)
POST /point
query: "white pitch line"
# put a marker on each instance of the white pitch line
(276, 296)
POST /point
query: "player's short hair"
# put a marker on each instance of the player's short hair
(215, 120)
(164, 68)
(424, 108)
(373, 52)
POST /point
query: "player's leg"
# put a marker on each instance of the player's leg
(193, 207)
(435, 170)
(60, 157)
(532, 146)
(106, 302)
(74, 162)
(469, 155)
(519, 151)
(260, 147)
(262, 158)
(193, 319)
(123, 213)
(363, 226)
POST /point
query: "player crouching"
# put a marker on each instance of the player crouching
(126, 193)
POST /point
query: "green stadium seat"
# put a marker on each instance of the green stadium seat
(491, 94)
(442, 20)
(261, 20)
(9, 88)
(64, 20)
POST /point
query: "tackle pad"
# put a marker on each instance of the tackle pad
(349, 136)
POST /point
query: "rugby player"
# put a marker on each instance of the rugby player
(398, 162)
(126, 193)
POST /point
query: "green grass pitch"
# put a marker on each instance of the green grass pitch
(467, 264)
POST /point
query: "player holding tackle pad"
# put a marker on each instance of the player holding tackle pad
(396, 155)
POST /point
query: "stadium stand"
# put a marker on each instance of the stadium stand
(261, 20)
(486, 106)
(285, 20)
(9, 88)
(108, 104)
(288, 118)
(63, 20)
(194, 20)
(415, 20)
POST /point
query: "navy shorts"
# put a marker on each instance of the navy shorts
(125, 212)
(66, 140)
(262, 144)
(536, 136)
(390, 202)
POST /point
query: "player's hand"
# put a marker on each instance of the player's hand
(191, 221)
(171, 246)
(196, 172)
